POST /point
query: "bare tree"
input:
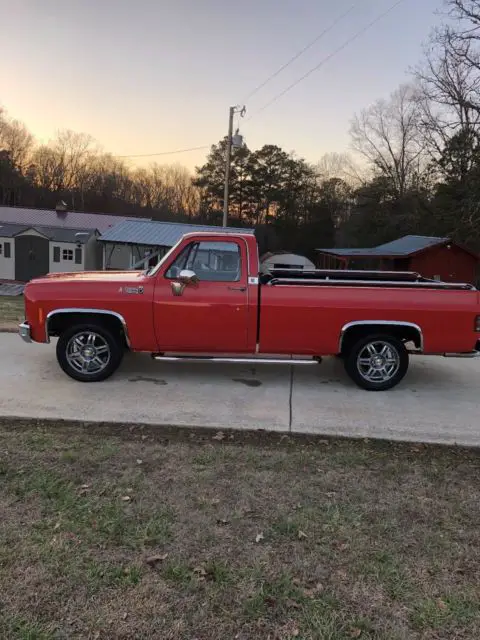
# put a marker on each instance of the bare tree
(179, 192)
(340, 165)
(65, 163)
(464, 34)
(167, 189)
(16, 140)
(386, 135)
(448, 91)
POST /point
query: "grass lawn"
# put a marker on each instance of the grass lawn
(134, 537)
(11, 310)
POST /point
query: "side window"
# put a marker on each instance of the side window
(179, 263)
(6, 251)
(78, 256)
(67, 254)
(211, 261)
(56, 254)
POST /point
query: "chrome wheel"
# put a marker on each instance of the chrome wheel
(378, 362)
(88, 352)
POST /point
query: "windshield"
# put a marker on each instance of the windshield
(153, 270)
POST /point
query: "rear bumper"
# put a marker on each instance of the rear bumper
(24, 332)
(467, 354)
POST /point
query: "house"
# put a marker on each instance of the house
(140, 243)
(436, 258)
(29, 252)
(34, 242)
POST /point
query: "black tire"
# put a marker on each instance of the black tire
(110, 352)
(393, 370)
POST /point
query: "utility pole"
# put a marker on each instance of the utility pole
(227, 166)
(232, 112)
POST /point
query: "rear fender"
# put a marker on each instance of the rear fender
(363, 327)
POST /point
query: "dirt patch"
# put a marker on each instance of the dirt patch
(104, 536)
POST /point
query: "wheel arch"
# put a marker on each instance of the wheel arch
(58, 320)
(354, 331)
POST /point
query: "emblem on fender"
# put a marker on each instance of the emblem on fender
(132, 290)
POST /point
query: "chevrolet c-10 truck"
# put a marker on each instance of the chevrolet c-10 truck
(208, 298)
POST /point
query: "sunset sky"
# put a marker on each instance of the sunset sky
(144, 76)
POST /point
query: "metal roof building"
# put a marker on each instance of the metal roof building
(159, 234)
(432, 257)
(405, 246)
(53, 218)
(145, 241)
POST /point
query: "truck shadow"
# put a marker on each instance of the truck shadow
(424, 373)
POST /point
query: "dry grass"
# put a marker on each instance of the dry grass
(11, 311)
(104, 537)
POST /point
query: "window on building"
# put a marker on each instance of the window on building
(7, 250)
(78, 255)
(1, 250)
(56, 254)
(67, 254)
(211, 261)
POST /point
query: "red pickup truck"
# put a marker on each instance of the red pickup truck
(208, 298)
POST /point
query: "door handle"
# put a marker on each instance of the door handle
(237, 288)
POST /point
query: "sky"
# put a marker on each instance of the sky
(148, 76)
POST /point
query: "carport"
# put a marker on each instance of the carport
(140, 243)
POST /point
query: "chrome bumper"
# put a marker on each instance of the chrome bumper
(24, 331)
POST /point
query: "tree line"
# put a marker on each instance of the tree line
(73, 168)
(415, 166)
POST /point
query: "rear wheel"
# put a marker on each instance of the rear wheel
(377, 362)
(89, 352)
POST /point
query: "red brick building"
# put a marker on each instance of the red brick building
(437, 258)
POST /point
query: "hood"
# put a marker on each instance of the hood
(92, 276)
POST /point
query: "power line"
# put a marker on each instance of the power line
(301, 52)
(355, 36)
(328, 58)
(164, 153)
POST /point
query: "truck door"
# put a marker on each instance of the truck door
(210, 315)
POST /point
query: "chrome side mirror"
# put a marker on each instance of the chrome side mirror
(187, 276)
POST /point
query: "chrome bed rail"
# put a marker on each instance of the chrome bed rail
(413, 284)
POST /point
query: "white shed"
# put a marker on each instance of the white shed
(29, 252)
(283, 260)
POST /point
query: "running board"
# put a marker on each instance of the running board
(226, 360)
(468, 354)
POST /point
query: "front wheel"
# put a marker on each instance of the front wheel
(377, 362)
(88, 352)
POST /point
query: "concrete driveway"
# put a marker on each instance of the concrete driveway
(439, 401)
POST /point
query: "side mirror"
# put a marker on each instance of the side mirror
(187, 276)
